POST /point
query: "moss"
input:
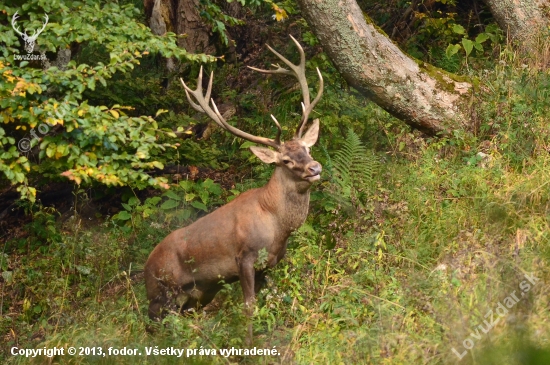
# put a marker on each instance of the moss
(380, 30)
(443, 77)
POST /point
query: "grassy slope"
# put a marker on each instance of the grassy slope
(444, 238)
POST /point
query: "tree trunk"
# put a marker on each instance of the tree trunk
(523, 20)
(419, 94)
(180, 17)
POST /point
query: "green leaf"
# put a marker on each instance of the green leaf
(452, 49)
(199, 205)
(123, 216)
(50, 151)
(204, 196)
(158, 165)
(481, 37)
(247, 144)
(169, 204)
(186, 185)
(170, 194)
(459, 29)
(153, 201)
(468, 46)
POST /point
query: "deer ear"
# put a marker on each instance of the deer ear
(264, 154)
(312, 134)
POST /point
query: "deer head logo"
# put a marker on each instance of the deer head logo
(29, 40)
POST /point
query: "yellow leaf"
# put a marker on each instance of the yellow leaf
(81, 112)
(114, 113)
(280, 14)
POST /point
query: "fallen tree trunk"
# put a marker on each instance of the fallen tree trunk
(419, 94)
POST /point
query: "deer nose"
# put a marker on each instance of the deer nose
(315, 169)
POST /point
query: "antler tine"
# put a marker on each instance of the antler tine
(279, 70)
(16, 28)
(198, 92)
(191, 102)
(209, 88)
(306, 111)
(202, 106)
(301, 51)
(280, 130)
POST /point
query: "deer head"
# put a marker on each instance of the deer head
(29, 40)
(293, 156)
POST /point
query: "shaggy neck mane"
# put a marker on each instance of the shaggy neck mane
(287, 198)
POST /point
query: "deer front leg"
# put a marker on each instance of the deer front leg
(247, 275)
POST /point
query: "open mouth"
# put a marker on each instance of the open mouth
(313, 177)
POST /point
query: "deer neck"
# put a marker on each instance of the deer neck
(287, 199)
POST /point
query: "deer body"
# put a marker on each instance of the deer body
(196, 258)
(187, 268)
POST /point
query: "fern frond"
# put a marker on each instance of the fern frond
(354, 166)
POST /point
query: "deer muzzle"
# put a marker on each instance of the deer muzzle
(313, 171)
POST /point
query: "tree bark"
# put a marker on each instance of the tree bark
(419, 94)
(180, 17)
(523, 20)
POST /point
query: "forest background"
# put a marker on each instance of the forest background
(429, 216)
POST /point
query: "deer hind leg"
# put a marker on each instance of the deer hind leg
(189, 298)
(157, 293)
(156, 307)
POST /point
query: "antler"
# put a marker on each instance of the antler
(299, 71)
(13, 20)
(215, 115)
(37, 33)
(25, 35)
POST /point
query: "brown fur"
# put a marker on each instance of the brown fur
(184, 270)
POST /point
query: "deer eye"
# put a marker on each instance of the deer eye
(286, 161)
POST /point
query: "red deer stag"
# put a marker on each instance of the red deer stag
(185, 270)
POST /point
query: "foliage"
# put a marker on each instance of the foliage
(492, 33)
(449, 34)
(213, 16)
(353, 165)
(84, 142)
(183, 201)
